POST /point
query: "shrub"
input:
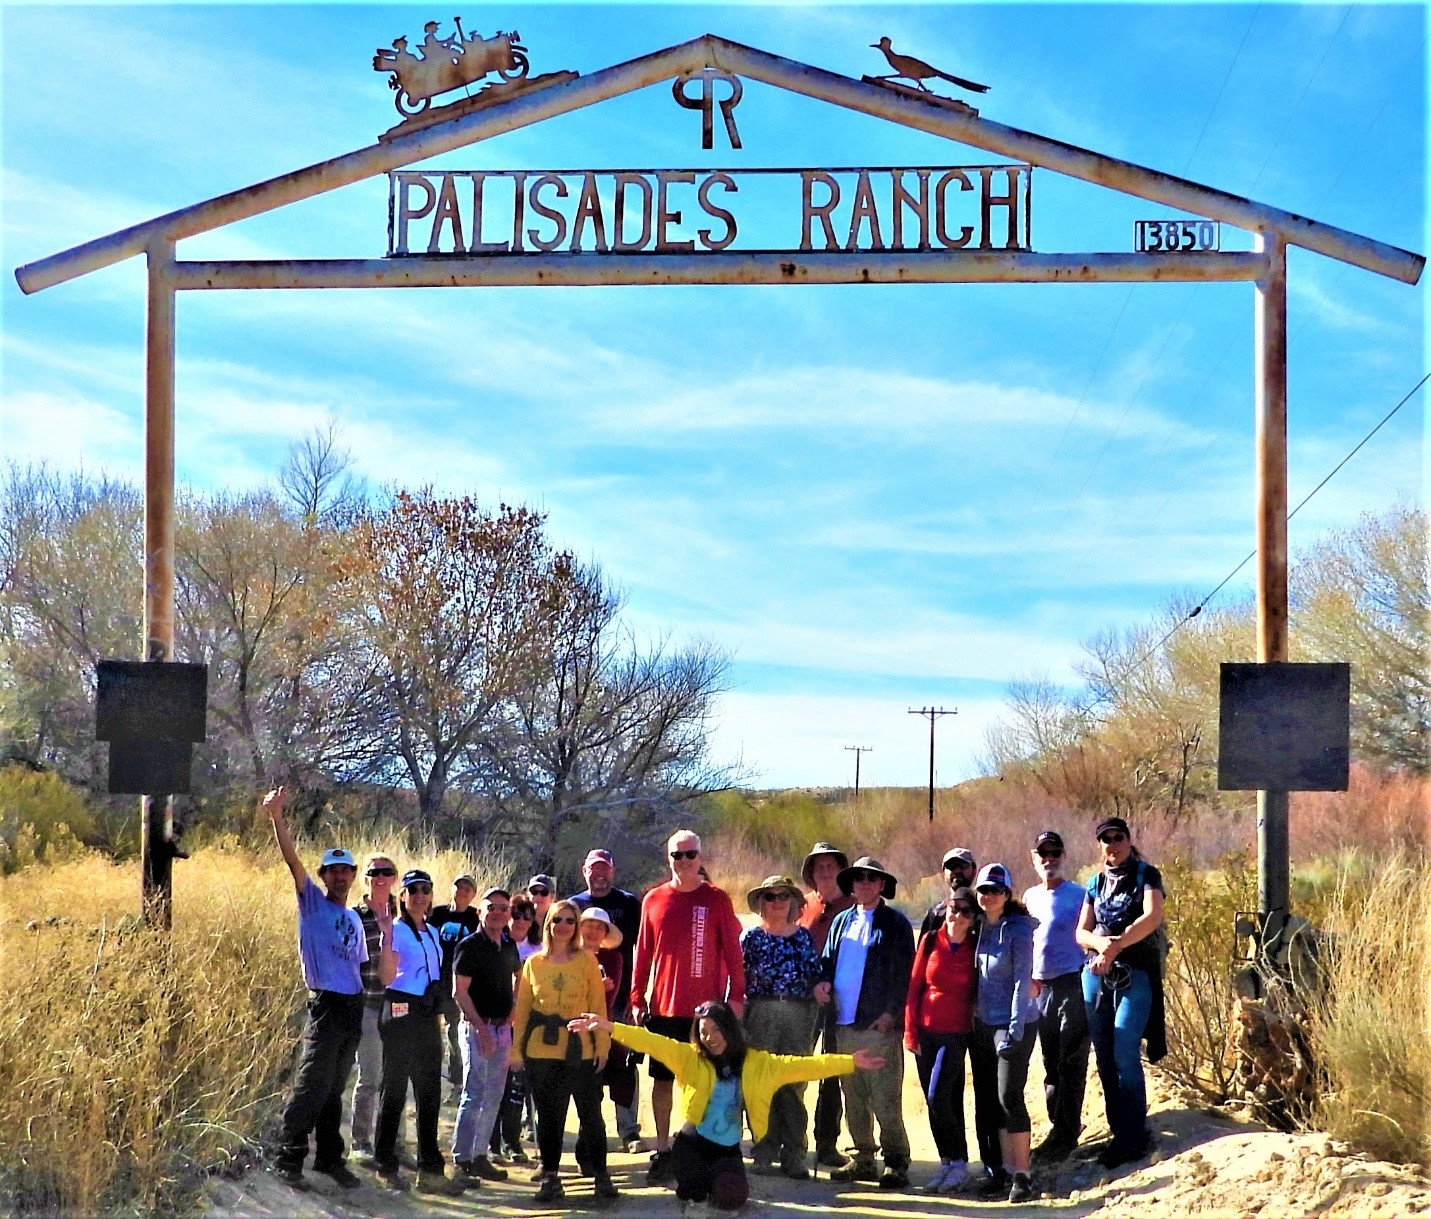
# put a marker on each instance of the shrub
(41, 816)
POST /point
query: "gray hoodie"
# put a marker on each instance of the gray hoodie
(1004, 961)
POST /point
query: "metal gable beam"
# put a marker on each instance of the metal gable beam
(791, 75)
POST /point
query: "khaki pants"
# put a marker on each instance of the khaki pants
(871, 1095)
(783, 1026)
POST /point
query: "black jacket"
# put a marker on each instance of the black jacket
(888, 963)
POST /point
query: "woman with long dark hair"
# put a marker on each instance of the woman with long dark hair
(559, 982)
(718, 1077)
(411, 969)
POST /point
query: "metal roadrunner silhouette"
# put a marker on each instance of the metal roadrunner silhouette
(918, 71)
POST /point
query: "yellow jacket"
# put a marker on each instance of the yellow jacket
(566, 990)
(762, 1074)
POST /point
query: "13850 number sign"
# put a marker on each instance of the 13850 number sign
(1175, 236)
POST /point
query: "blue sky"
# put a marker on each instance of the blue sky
(874, 498)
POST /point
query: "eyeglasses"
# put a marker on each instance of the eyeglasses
(686, 854)
(540, 892)
(564, 918)
(1110, 838)
(382, 872)
(417, 888)
(1051, 853)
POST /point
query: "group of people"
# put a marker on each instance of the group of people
(551, 1002)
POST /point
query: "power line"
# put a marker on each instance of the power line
(931, 714)
(857, 750)
(1201, 605)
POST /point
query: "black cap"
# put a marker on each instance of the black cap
(415, 876)
(1049, 838)
(1112, 823)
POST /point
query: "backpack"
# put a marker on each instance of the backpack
(1159, 938)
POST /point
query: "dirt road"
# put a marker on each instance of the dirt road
(1204, 1164)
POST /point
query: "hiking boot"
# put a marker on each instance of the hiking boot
(341, 1173)
(1022, 1188)
(894, 1176)
(390, 1178)
(1114, 1156)
(829, 1157)
(855, 1170)
(795, 1169)
(605, 1187)
(661, 1170)
(550, 1190)
(435, 1181)
(481, 1166)
(995, 1184)
(291, 1177)
(764, 1168)
(467, 1172)
(635, 1145)
(1053, 1150)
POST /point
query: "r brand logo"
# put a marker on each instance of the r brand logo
(705, 103)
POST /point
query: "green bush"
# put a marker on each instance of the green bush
(41, 818)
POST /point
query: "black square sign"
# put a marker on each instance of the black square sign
(140, 700)
(1284, 727)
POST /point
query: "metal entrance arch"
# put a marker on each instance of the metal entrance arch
(1265, 267)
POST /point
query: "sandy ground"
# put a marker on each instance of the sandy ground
(1204, 1164)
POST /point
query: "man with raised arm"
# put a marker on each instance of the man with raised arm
(332, 947)
(688, 953)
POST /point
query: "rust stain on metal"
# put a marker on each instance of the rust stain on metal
(491, 95)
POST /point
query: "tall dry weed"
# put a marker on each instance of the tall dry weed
(133, 1062)
(1372, 1029)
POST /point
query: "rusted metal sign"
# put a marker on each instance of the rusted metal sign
(632, 211)
(442, 64)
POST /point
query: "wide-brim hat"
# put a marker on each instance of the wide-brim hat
(597, 915)
(867, 863)
(753, 898)
(821, 848)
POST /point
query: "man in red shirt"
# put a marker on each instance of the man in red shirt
(688, 952)
(826, 899)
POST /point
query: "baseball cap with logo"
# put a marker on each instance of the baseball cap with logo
(994, 875)
(598, 856)
(337, 855)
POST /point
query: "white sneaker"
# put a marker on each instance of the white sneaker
(697, 1210)
(936, 1182)
(955, 1177)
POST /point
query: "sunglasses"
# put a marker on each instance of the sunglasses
(771, 895)
(419, 888)
(958, 865)
(1109, 839)
(564, 918)
(540, 892)
(961, 911)
(500, 909)
(382, 872)
(991, 890)
(686, 854)
(866, 877)
(1051, 853)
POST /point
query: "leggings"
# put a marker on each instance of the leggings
(1010, 1070)
(941, 1079)
(554, 1084)
(708, 1170)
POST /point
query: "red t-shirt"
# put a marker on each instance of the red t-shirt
(688, 950)
(941, 988)
(818, 914)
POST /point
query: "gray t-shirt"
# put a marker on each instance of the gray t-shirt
(1056, 951)
(331, 942)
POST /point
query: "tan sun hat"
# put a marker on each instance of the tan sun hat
(597, 915)
(797, 899)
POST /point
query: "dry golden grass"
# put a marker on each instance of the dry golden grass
(131, 1063)
(1373, 1032)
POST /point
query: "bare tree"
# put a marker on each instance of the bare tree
(317, 478)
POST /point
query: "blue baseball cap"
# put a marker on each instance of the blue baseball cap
(994, 874)
(415, 876)
(335, 855)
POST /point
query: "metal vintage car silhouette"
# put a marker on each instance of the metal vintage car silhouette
(447, 63)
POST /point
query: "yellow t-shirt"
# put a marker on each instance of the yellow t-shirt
(568, 989)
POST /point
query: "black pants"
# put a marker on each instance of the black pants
(941, 1079)
(1008, 1073)
(554, 1084)
(330, 1047)
(829, 1103)
(412, 1054)
(507, 1133)
(1063, 1038)
(708, 1170)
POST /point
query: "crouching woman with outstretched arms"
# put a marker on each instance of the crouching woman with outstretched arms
(718, 1077)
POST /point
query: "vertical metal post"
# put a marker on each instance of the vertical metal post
(1270, 334)
(932, 714)
(857, 750)
(156, 813)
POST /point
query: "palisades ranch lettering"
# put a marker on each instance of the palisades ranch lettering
(604, 211)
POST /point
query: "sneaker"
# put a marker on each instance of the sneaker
(894, 1177)
(1022, 1189)
(341, 1173)
(940, 1178)
(536, 1176)
(467, 1171)
(605, 1187)
(550, 1190)
(481, 1166)
(635, 1145)
(994, 1185)
(435, 1181)
(855, 1170)
(391, 1178)
(517, 1156)
(292, 1177)
(956, 1178)
(697, 1210)
(661, 1170)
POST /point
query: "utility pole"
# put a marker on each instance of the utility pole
(932, 714)
(857, 750)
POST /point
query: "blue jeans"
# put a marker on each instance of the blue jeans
(1116, 1020)
(484, 1084)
